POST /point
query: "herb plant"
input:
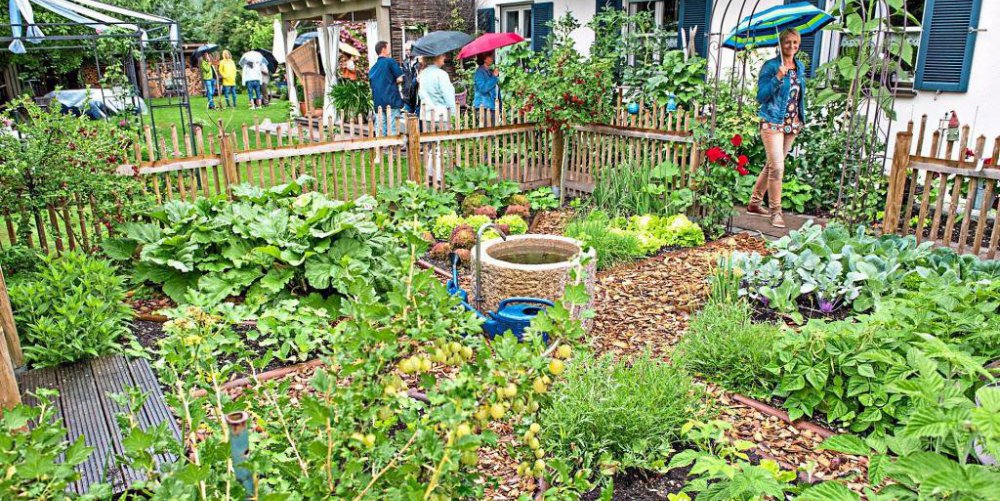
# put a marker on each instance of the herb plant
(71, 309)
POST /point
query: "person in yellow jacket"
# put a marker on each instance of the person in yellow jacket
(227, 70)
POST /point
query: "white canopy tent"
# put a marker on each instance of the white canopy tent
(84, 12)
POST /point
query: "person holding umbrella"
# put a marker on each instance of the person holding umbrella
(781, 95)
(435, 90)
(252, 75)
(487, 85)
(227, 70)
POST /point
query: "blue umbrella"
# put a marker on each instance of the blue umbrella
(762, 29)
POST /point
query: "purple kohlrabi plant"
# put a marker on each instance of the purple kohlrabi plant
(826, 306)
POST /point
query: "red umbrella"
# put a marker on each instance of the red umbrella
(488, 43)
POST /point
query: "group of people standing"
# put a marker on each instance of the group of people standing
(422, 86)
(255, 78)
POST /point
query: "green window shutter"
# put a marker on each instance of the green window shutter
(486, 20)
(947, 42)
(695, 13)
(811, 44)
(541, 15)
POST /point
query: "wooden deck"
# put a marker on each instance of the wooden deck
(762, 225)
(86, 409)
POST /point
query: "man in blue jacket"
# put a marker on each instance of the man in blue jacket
(384, 78)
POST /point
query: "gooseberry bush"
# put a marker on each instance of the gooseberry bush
(399, 410)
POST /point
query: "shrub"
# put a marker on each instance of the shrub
(445, 224)
(70, 310)
(612, 246)
(631, 413)
(516, 224)
(473, 202)
(29, 456)
(18, 260)
(724, 345)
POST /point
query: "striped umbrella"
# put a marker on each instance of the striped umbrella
(762, 29)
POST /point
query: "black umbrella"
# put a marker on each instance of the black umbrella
(272, 62)
(440, 42)
(201, 51)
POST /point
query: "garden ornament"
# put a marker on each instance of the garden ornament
(633, 108)
(953, 125)
(239, 448)
(672, 102)
(513, 314)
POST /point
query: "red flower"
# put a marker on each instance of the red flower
(988, 161)
(716, 155)
(969, 153)
(742, 161)
(742, 170)
(737, 140)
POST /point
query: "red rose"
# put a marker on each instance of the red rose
(737, 140)
(742, 170)
(969, 153)
(988, 161)
(716, 155)
(742, 161)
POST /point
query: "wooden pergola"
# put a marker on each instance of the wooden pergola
(326, 10)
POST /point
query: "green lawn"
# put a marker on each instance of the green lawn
(232, 118)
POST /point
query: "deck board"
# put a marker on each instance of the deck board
(86, 409)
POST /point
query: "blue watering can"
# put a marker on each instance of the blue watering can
(513, 314)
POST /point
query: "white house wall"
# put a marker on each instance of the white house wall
(980, 104)
(582, 10)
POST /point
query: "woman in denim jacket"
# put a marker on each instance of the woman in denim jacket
(781, 94)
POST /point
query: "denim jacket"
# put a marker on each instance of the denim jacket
(772, 95)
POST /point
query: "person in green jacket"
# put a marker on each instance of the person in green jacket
(208, 75)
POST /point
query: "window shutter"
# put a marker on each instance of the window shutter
(811, 44)
(541, 15)
(609, 4)
(947, 41)
(486, 20)
(695, 13)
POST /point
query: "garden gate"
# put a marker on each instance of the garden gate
(946, 193)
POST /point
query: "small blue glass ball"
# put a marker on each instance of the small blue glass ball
(633, 108)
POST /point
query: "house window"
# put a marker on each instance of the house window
(665, 13)
(517, 19)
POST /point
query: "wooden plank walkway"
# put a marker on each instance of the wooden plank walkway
(86, 409)
(762, 225)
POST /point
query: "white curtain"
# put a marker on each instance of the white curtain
(278, 44)
(293, 96)
(329, 56)
(371, 35)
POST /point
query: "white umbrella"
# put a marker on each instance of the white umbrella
(252, 57)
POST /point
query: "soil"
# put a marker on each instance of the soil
(641, 485)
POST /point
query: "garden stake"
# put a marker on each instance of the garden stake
(239, 448)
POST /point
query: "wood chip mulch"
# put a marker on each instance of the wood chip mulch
(647, 304)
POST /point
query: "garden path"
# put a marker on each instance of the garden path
(86, 409)
(761, 225)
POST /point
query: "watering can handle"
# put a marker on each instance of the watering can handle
(530, 300)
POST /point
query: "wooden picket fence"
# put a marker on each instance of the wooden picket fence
(946, 194)
(349, 158)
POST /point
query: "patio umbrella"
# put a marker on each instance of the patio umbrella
(201, 51)
(436, 43)
(272, 62)
(349, 49)
(489, 42)
(762, 28)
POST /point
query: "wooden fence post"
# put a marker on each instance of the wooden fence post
(7, 326)
(10, 352)
(897, 182)
(558, 145)
(413, 149)
(228, 162)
